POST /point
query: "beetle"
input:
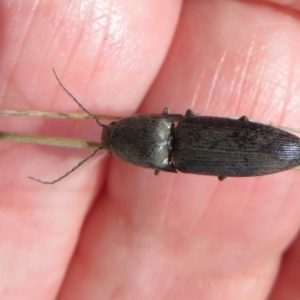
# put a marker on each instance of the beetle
(216, 146)
(222, 147)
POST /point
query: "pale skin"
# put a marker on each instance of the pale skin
(115, 231)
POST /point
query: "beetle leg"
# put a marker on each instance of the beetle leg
(221, 178)
(189, 113)
(166, 111)
(156, 172)
(244, 119)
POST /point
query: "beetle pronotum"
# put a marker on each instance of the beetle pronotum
(222, 147)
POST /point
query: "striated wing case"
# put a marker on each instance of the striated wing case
(226, 147)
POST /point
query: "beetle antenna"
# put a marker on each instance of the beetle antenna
(69, 172)
(73, 97)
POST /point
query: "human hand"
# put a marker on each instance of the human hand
(115, 231)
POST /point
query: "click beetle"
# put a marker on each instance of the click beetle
(217, 146)
(222, 147)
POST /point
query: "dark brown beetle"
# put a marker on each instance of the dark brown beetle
(216, 146)
(202, 145)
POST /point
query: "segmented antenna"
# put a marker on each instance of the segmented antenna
(69, 172)
(87, 158)
(73, 97)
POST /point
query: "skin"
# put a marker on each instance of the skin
(115, 231)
